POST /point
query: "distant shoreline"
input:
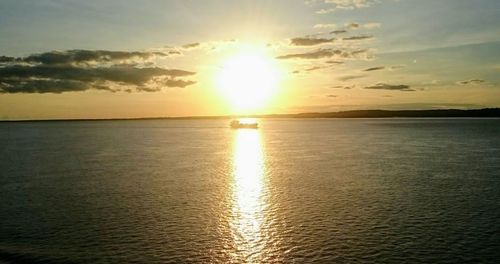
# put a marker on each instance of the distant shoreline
(436, 113)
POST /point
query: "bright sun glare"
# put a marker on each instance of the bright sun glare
(248, 80)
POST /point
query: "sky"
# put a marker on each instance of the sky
(128, 59)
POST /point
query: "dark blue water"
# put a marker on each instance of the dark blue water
(293, 191)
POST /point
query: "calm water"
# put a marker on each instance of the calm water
(294, 191)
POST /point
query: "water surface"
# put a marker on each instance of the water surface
(293, 191)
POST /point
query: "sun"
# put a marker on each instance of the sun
(248, 80)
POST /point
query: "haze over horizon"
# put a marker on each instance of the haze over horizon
(121, 59)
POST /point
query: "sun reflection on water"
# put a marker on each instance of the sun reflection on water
(248, 196)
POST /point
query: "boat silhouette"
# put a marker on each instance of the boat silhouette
(235, 124)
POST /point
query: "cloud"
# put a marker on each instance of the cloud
(342, 4)
(334, 62)
(390, 68)
(191, 45)
(346, 87)
(329, 53)
(350, 77)
(471, 81)
(314, 68)
(310, 69)
(319, 54)
(4, 59)
(325, 11)
(309, 41)
(325, 26)
(341, 31)
(361, 37)
(331, 95)
(396, 67)
(349, 4)
(80, 70)
(375, 68)
(75, 57)
(384, 86)
(353, 25)
(174, 52)
(371, 25)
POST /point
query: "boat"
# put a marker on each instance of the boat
(238, 124)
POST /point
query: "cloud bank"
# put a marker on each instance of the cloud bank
(81, 70)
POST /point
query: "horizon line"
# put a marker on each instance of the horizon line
(452, 113)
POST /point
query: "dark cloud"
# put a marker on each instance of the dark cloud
(308, 41)
(328, 53)
(347, 87)
(359, 51)
(350, 77)
(191, 45)
(127, 75)
(178, 83)
(331, 95)
(341, 31)
(361, 37)
(334, 62)
(471, 81)
(41, 86)
(174, 52)
(390, 68)
(89, 57)
(310, 69)
(385, 86)
(314, 68)
(79, 70)
(375, 68)
(319, 54)
(4, 59)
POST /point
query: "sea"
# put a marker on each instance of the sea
(390, 190)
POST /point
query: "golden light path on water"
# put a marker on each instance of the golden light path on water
(248, 196)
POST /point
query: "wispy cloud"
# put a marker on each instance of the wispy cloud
(191, 45)
(314, 68)
(309, 41)
(379, 68)
(471, 81)
(391, 87)
(346, 87)
(371, 25)
(350, 77)
(341, 31)
(334, 62)
(325, 26)
(361, 37)
(375, 68)
(341, 4)
(329, 53)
